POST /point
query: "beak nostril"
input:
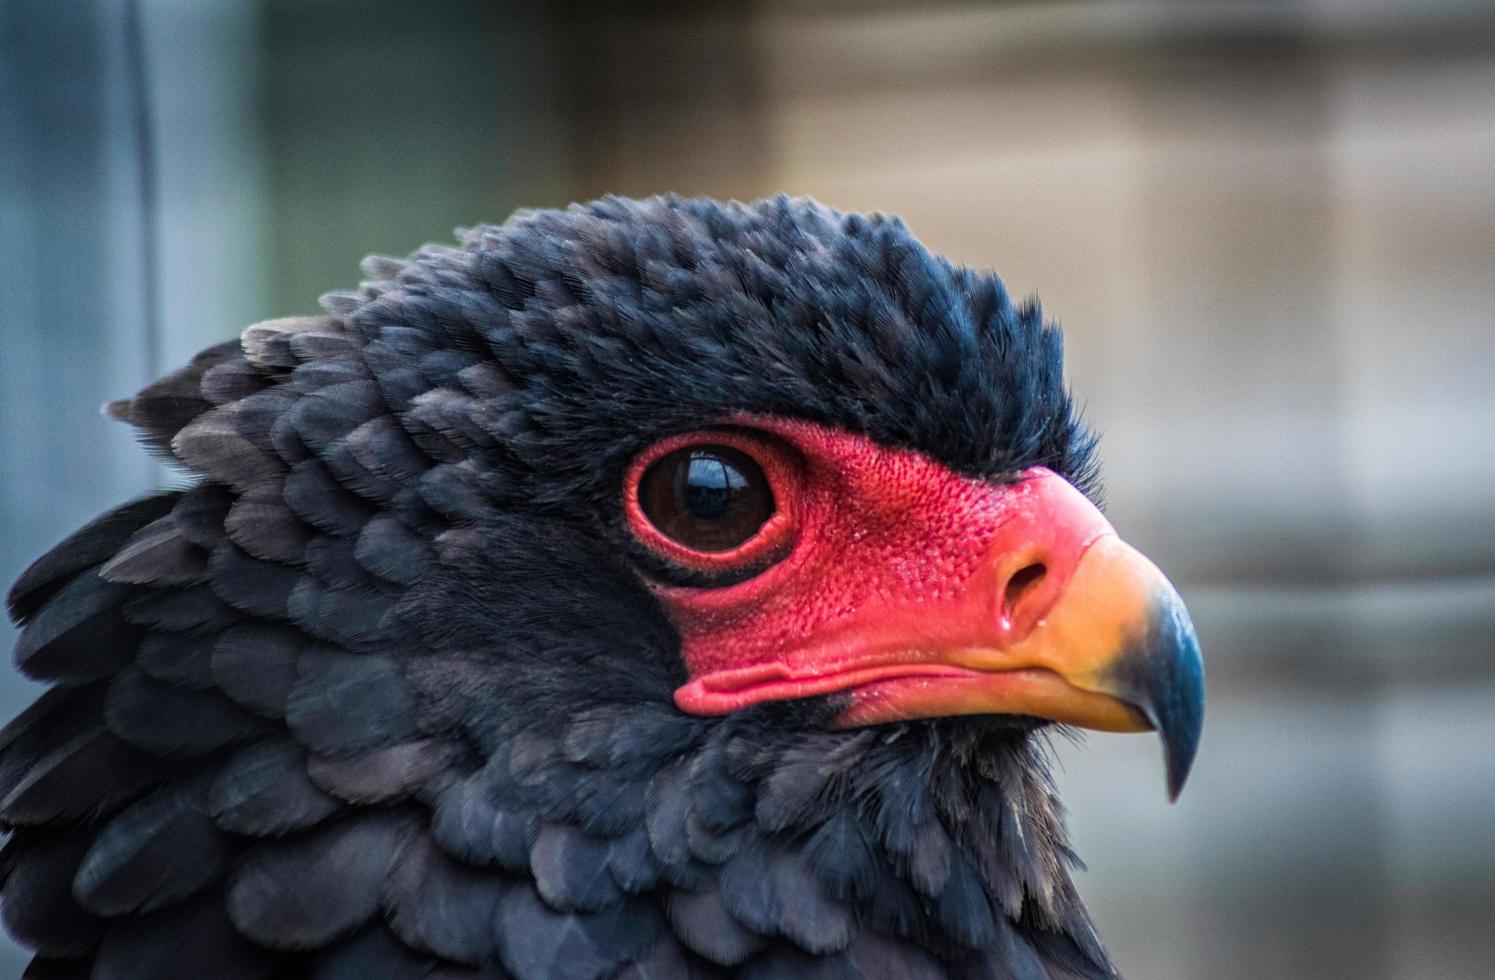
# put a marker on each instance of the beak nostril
(1022, 582)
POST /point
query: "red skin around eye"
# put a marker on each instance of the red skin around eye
(780, 466)
(879, 538)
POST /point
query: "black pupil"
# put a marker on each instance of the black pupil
(710, 483)
(709, 498)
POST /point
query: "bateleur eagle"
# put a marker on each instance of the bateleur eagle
(649, 589)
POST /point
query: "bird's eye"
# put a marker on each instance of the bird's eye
(713, 508)
(708, 498)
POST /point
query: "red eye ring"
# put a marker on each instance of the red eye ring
(782, 470)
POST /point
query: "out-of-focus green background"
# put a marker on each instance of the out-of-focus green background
(1267, 228)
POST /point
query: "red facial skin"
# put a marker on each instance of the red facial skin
(897, 575)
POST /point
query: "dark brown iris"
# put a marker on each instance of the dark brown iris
(707, 498)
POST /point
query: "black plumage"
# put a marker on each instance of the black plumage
(39, 909)
(441, 906)
(47, 793)
(256, 665)
(168, 719)
(265, 790)
(191, 939)
(155, 853)
(381, 694)
(81, 633)
(303, 892)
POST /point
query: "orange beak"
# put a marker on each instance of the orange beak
(1115, 651)
(1054, 617)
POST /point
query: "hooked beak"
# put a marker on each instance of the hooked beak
(1062, 621)
(1115, 651)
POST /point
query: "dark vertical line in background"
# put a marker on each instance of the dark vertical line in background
(137, 78)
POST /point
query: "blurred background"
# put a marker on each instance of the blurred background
(1268, 230)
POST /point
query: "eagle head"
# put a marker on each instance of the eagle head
(648, 589)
